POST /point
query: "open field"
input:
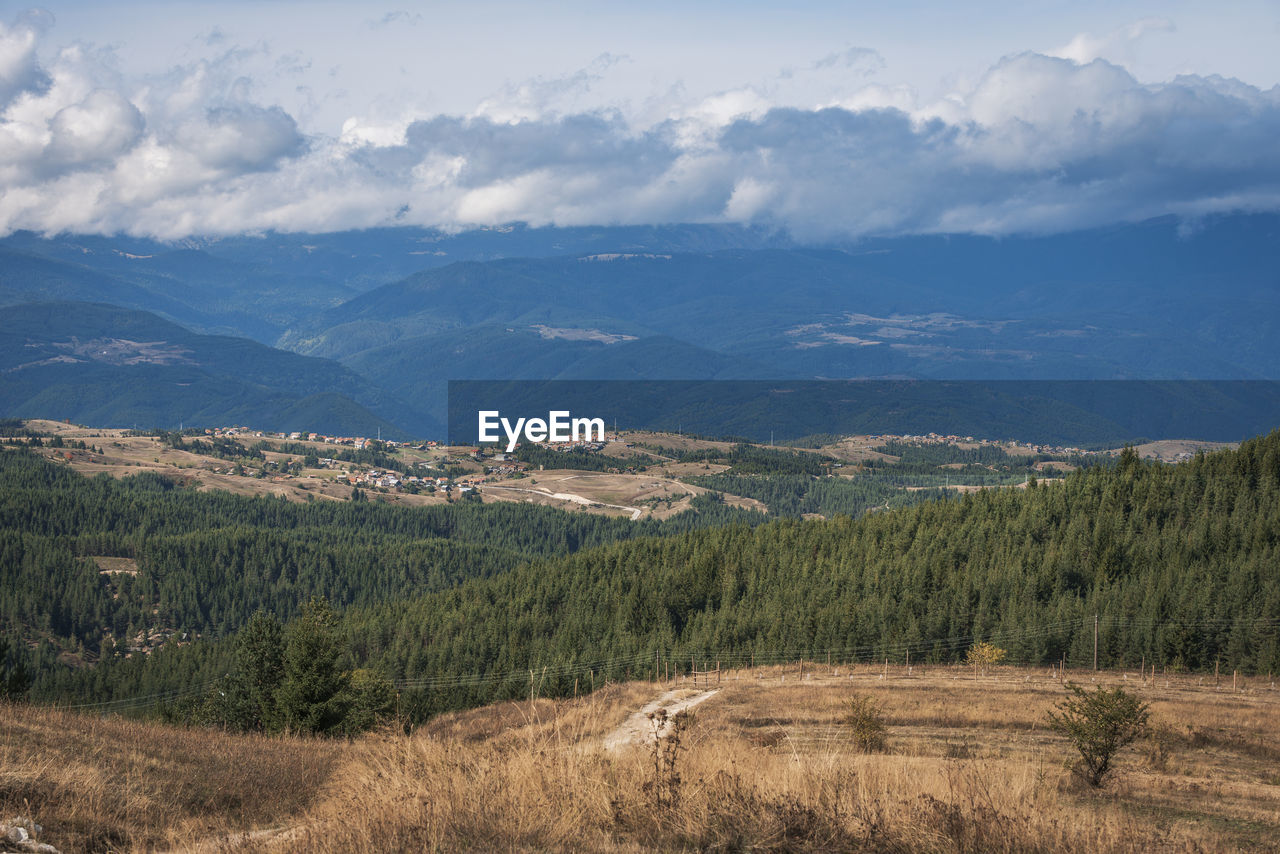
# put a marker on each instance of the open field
(1171, 450)
(856, 449)
(764, 763)
(649, 494)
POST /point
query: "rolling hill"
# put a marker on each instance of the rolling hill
(111, 366)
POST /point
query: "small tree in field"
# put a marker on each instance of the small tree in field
(984, 655)
(866, 721)
(1098, 723)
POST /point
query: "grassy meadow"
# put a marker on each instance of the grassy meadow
(768, 763)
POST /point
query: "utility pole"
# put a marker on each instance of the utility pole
(1095, 641)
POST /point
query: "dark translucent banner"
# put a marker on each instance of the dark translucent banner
(1083, 413)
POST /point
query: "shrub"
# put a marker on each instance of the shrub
(667, 733)
(1098, 724)
(867, 723)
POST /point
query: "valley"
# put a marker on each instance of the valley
(780, 428)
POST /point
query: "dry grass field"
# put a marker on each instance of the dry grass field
(650, 494)
(766, 763)
(107, 784)
(1169, 450)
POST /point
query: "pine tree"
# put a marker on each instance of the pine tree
(312, 696)
(14, 677)
(260, 669)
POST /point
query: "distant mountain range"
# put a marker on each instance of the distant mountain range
(109, 366)
(377, 322)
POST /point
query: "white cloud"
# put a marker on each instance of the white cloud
(538, 97)
(1037, 143)
(19, 70)
(96, 130)
(860, 60)
(1117, 46)
(241, 139)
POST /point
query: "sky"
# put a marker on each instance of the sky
(824, 119)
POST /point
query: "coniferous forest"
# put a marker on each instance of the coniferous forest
(464, 604)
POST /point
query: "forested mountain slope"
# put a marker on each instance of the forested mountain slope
(203, 563)
(1178, 562)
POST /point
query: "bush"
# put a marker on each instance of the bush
(1098, 724)
(865, 719)
(983, 655)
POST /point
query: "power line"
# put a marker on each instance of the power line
(641, 660)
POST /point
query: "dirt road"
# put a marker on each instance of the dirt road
(638, 730)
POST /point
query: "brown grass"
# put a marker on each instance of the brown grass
(767, 764)
(107, 784)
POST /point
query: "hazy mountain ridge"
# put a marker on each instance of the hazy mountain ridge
(408, 309)
(107, 365)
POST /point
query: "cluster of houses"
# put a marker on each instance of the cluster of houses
(506, 468)
(482, 455)
(393, 481)
(146, 641)
(374, 477)
(357, 442)
(940, 439)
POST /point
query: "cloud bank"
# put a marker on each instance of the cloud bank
(1037, 144)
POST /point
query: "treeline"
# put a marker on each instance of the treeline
(219, 447)
(754, 459)
(795, 495)
(374, 454)
(17, 428)
(1177, 562)
(985, 465)
(535, 454)
(910, 454)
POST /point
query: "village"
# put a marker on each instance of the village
(633, 474)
